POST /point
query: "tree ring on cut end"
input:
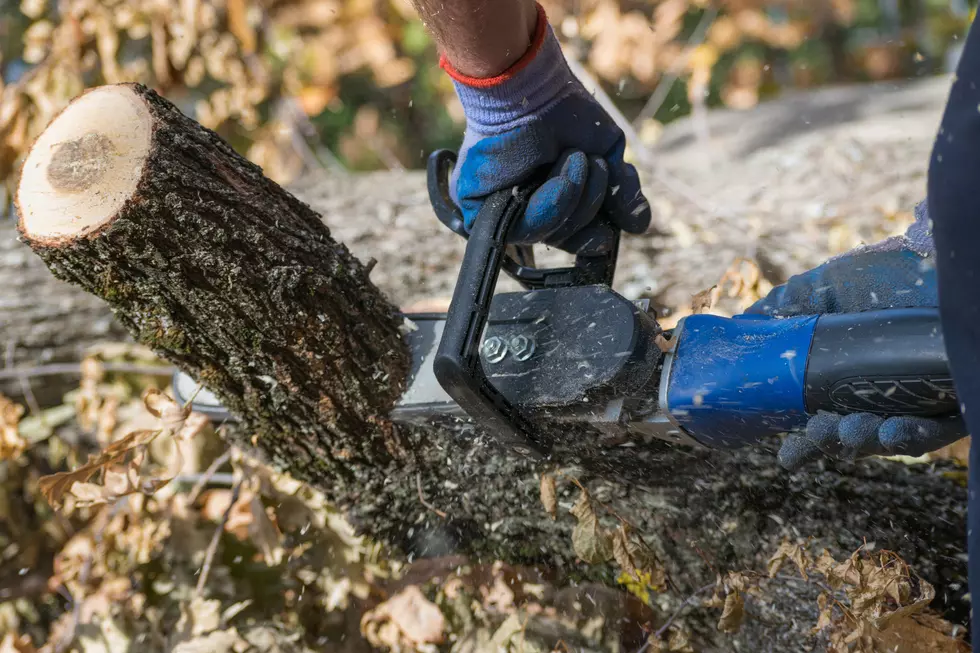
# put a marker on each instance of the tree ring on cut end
(76, 165)
(85, 166)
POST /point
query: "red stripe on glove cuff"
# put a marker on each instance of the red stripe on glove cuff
(540, 30)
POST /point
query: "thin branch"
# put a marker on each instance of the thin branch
(305, 138)
(25, 382)
(606, 102)
(663, 88)
(69, 369)
(210, 475)
(663, 629)
(418, 483)
(215, 539)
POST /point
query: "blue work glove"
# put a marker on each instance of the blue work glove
(895, 273)
(537, 121)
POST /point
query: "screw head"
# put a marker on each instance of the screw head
(522, 347)
(495, 349)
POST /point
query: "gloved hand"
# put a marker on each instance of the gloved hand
(537, 119)
(895, 273)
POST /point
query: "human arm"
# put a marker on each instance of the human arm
(481, 38)
(532, 122)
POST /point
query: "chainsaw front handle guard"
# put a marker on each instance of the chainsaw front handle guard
(594, 265)
(457, 364)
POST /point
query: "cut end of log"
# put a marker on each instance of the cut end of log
(85, 166)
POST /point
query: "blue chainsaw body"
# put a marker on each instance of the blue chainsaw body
(569, 350)
(730, 381)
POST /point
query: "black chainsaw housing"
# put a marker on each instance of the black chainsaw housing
(567, 346)
(465, 351)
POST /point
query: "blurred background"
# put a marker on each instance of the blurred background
(354, 84)
(214, 551)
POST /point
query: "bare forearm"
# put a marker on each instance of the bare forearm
(480, 38)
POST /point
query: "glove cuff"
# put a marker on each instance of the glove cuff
(539, 79)
(919, 235)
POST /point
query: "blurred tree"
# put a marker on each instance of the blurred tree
(354, 83)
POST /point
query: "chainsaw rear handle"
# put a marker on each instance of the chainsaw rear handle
(731, 381)
(595, 263)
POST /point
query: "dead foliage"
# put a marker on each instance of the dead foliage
(259, 70)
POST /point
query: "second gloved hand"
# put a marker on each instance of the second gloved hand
(896, 273)
(536, 121)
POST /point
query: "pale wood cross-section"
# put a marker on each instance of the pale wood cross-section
(85, 165)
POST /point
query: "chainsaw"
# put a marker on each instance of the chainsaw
(569, 350)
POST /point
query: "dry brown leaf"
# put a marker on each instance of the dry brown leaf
(197, 631)
(637, 560)
(12, 643)
(549, 495)
(826, 618)
(11, 442)
(677, 642)
(861, 639)
(407, 619)
(921, 634)
(166, 409)
(54, 486)
(733, 613)
(591, 543)
(789, 551)
(703, 301)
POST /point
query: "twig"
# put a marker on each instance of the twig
(663, 629)
(210, 475)
(418, 484)
(644, 155)
(86, 571)
(67, 369)
(663, 88)
(25, 382)
(606, 102)
(306, 138)
(216, 538)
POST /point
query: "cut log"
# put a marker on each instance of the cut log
(240, 284)
(233, 279)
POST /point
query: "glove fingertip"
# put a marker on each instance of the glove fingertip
(915, 436)
(797, 451)
(859, 432)
(823, 431)
(554, 202)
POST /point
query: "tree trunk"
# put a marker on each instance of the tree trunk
(221, 271)
(240, 284)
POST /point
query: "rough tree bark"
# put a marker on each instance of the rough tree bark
(240, 284)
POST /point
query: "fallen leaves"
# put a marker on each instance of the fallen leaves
(13, 644)
(789, 551)
(729, 596)
(55, 486)
(591, 543)
(866, 594)
(406, 620)
(677, 642)
(121, 463)
(637, 559)
(549, 495)
(248, 520)
(11, 442)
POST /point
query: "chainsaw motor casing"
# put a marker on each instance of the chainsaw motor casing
(559, 347)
